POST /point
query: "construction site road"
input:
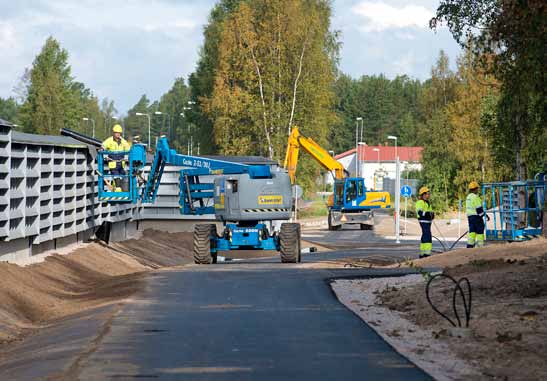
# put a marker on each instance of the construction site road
(256, 319)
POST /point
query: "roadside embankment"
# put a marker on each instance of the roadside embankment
(91, 276)
(508, 326)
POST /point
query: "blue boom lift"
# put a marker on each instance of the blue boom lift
(246, 198)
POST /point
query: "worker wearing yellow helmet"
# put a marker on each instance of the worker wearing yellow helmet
(425, 215)
(117, 162)
(475, 216)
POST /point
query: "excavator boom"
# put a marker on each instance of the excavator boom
(297, 141)
(350, 202)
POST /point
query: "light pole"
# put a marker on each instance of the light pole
(106, 118)
(93, 123)
(377, 150)
(190, 137)
(357, 145)
(391, 137)
(148, 116)
(363, 144)
(397, 190)
(168, 121)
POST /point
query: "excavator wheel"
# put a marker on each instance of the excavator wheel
(331, 225)
(289, 242)
(203, 239)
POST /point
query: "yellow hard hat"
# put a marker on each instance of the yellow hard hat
(423, 190)
(473, 185)
(117, 128)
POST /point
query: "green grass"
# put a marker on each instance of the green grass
(317, 209)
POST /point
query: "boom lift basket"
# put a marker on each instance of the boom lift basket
(120, 187)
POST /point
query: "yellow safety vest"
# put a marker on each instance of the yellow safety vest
(473, 205)
(116, 146)
(423, 206)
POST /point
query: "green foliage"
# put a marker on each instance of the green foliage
(276, 66)
(9, 109)
(53, 100)
(201, 82)
(509, 38)
(388, 107)
(49, 92)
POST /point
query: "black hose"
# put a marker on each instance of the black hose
(458, 240)
(457, 288)
(81, 137)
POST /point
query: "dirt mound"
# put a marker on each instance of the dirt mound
(91, 276)
(513, 251)
(509, 313)
(157, 249)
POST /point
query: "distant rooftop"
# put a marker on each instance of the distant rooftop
(387, 153)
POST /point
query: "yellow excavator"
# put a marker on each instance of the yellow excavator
(350, 202)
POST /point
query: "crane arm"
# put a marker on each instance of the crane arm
(297, 141)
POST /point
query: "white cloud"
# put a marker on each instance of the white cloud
(380, 16)
(7, 36)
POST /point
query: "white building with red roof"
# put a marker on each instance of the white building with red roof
(378, 162)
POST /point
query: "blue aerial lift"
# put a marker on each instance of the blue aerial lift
(516, 207)
(246, 198)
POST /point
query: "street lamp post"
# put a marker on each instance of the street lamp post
(357, 145)
(148, 116)
(397, 191)
(92, 122)
(363, 144)
(190, 137)
(168, 121)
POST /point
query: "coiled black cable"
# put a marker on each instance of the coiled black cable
(457, 288)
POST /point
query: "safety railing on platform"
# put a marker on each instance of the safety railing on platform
(516, 208)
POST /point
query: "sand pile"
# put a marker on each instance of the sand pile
(89, 277)
(509, 313)
(513, 251)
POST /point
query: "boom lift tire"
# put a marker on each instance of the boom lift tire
(333, 227)
(203, 235)
(289, 242)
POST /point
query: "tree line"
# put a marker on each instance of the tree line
(265, 66)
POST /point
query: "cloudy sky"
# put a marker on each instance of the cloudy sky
(122, 49)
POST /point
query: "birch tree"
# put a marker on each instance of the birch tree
(277, 62)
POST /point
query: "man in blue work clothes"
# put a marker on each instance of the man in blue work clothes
(475, 216)
(116, 162)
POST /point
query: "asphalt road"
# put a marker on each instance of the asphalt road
(245, 320)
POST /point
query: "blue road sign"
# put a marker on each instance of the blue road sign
(406, 191)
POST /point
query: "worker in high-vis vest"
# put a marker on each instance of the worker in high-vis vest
(475, 216)
(116, 162)
(425, 215)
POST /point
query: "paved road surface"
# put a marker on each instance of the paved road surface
(247, 320)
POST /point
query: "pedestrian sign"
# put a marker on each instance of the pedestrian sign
(406, 191)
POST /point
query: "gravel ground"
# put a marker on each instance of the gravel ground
(411, 341)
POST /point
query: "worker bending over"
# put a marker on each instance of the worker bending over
(425, 215)
(116, 162)
(475, 216)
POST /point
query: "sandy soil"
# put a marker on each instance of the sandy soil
(95, 275)
(508, 251)
(412, 341)
(508, 319)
